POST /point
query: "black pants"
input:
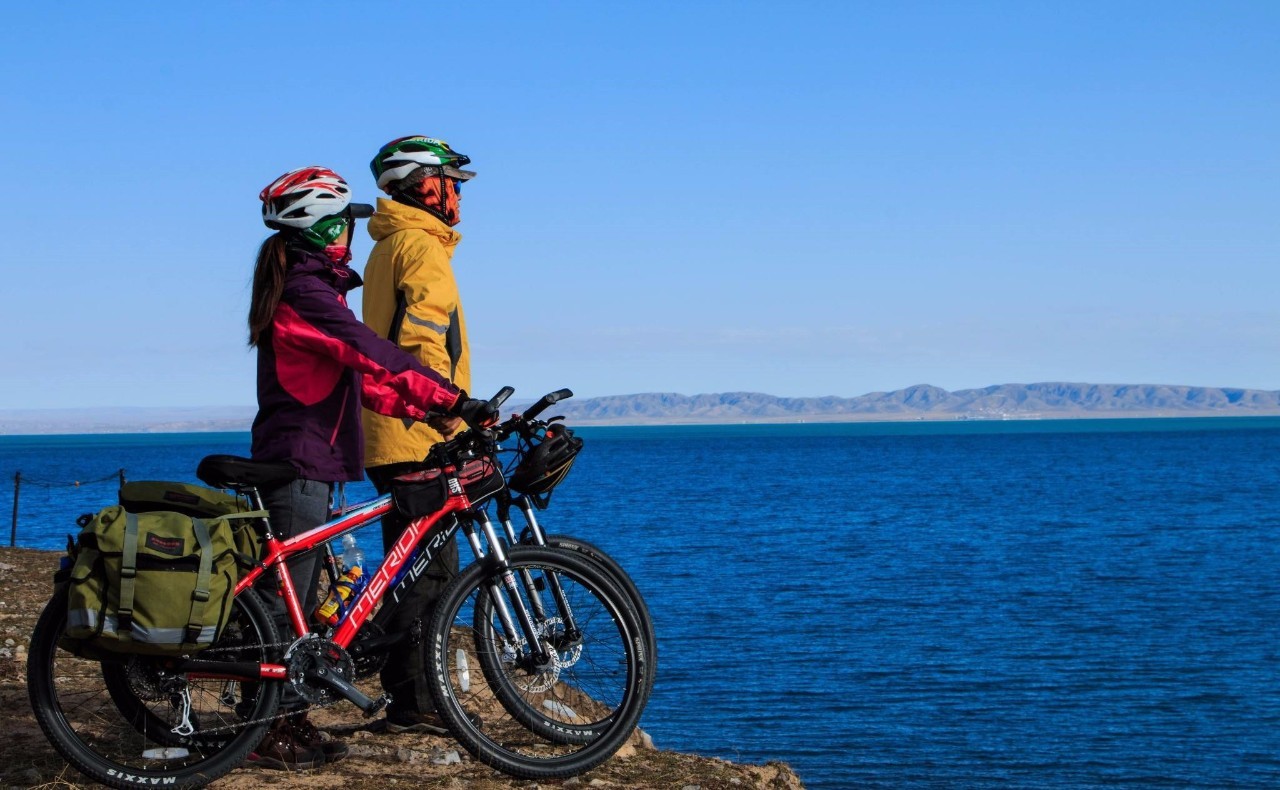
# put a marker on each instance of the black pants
(404, 676)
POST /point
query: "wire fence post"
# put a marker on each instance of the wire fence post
(13, 530)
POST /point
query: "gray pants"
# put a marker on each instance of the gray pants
(296, 507)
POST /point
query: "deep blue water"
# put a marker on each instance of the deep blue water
(1012, 604)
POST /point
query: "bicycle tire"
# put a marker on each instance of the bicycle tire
(84, 722)
(610, 676)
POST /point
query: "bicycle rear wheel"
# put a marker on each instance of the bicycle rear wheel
(543, 720)
(114, 720)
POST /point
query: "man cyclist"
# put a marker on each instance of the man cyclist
(411, 298)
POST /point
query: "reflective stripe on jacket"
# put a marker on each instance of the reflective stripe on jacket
(411, 297)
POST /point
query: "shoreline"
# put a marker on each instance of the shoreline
(810, 420)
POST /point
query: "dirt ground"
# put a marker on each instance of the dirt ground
(378, 759)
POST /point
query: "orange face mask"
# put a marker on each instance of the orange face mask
(446, 205)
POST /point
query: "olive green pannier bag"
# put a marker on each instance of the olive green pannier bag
(158, 582)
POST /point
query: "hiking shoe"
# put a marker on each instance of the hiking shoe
(432, 723)
(309, 736)
(282, 750)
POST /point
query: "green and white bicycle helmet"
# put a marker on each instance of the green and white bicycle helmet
(399, 159)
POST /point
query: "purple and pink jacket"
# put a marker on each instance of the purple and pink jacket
(317, 363)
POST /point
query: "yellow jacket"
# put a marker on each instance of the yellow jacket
(411, 297)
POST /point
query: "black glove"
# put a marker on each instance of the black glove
(475, 412)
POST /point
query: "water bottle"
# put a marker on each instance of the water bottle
(349, 583)
(334, 603)
(352, 556)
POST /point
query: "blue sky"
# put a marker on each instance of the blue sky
(801, 199)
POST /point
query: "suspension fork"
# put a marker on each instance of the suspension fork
(539, 539)
(512, 600)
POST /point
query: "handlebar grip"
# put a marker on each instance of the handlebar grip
(501, 397)
(545, 401)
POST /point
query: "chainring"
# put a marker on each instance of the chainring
(311, 654)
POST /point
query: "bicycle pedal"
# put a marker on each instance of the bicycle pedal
(377, 706)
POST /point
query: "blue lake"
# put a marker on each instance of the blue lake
(970, 604)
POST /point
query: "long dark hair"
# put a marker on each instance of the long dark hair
(268, 284)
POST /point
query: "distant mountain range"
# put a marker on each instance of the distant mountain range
(925, 402)
(1049, 400)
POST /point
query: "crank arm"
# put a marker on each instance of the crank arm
(349, 692)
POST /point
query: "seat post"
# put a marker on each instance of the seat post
(255, 503)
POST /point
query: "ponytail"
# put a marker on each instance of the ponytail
(268, 285)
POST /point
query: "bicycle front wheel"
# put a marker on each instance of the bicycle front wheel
(554, 706)
(616, 574)
(120, 721)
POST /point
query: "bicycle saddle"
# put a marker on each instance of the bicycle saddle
(234, 472)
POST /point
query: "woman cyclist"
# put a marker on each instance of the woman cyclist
(317, 364)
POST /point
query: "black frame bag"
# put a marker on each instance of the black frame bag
(423, 492)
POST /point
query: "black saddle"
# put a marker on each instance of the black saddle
(238, 474)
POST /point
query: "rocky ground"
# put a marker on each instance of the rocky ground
(378, 760)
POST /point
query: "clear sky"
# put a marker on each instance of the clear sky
(801, 199)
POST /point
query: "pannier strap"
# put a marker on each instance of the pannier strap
(201, 594)
(128, 570)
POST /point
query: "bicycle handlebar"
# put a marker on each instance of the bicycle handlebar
(515, 423)
(501, 398)
(547, 400)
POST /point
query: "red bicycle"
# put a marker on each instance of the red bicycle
(545, 646)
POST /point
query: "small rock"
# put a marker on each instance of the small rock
(4, 566)
(645, 740)
(410, 756)
(573, 781)
(735, 781)
(599, 783)
(6, 652)
(9, 643)
(365, 750)
(442, 757)
(691, 787)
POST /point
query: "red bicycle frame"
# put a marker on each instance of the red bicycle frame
(278, 552)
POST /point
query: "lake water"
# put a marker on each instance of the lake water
(971, 604)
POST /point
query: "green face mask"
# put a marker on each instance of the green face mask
(326, 231)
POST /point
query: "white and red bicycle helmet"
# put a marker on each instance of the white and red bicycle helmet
(314, 200)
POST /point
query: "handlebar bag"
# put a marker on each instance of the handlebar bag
(423, 492)
(158, 583)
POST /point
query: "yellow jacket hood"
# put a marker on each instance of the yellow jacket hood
(392, 217)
